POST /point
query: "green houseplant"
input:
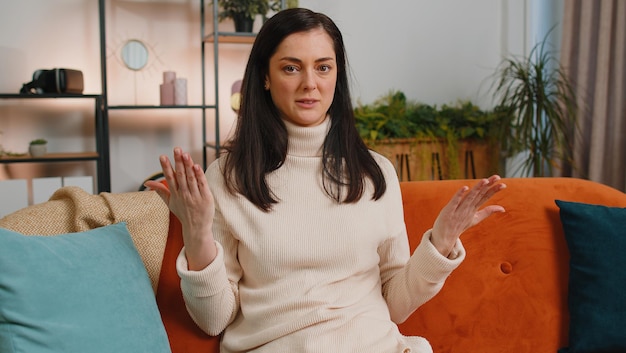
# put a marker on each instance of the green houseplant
(243, 12)
(539, 104)
(38, 142)
(38, 147)
(436, 140)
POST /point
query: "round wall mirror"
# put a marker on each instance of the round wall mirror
(135, 55)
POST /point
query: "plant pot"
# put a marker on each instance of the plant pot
(243, 23)
(37, 150)
(431, 159)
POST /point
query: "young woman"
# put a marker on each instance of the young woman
(294, 238)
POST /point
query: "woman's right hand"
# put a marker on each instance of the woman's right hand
(188, 196)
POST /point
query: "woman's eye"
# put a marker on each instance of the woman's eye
(324, 68)
(290, 68)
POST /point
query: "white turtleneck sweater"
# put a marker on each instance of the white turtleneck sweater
(312, 275)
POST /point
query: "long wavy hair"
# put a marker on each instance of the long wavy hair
(259, 144)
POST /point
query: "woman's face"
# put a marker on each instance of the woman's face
(302, 77)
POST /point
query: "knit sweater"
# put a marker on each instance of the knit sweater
(312, 275)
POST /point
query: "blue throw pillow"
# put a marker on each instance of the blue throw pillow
(596, 238)
(77, 292)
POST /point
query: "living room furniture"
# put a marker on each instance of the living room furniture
(510, 294)
(211, 38)
(101, 136)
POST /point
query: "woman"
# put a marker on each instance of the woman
(294, 238)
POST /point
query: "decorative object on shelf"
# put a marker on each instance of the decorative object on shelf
(60, 81)
(180, 91)
(173, 90)
(135, 54)
(235, 96)
(541, 110)
(167, 88)
(243, 12)
(38, 147)
(8, 153)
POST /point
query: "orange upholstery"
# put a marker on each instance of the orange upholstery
(184, 335)
(509, 295)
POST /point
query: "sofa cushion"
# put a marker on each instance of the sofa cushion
(596, 238)
(72, 209)
(76, 292)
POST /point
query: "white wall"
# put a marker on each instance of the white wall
(436, 51)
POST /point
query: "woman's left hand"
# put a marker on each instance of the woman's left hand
(463, 212)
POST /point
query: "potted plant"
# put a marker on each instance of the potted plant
(427, 142)
(243, 12)
(540, 108)
(38, 147)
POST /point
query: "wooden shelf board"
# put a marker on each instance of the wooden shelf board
(51, 157)
(232, 37)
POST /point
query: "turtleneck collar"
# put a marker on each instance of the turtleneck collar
(306, 141)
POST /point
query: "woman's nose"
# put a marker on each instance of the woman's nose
(309, 81)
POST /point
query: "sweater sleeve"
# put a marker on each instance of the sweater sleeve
(210, 298)
(420, 279)
(409, 281)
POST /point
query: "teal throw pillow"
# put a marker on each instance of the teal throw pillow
(596, 238)
(77, 293)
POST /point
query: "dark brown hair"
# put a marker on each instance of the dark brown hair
(259, 145)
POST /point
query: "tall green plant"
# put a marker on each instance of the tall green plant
(540, 106)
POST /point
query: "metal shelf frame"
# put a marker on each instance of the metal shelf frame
(101, 127)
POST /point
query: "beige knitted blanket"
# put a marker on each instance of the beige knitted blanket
(71, 209)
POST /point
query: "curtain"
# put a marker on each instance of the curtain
(593, 53)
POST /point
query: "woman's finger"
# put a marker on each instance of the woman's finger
(457, 199)
(179, 170)
(203, 188)
(486, 212)
(168, 172)
(484, 190)
(490, 192)
(160, 189)
(190, 174)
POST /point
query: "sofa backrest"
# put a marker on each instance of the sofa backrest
(510, 293)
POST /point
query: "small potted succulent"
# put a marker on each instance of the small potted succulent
(38, 147)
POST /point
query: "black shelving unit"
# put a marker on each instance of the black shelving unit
(216, 38)
(106, 107)
(100, 156)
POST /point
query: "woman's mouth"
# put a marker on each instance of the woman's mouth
(306, 102)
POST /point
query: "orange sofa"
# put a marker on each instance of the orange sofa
(511, 292)
(509, 295)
